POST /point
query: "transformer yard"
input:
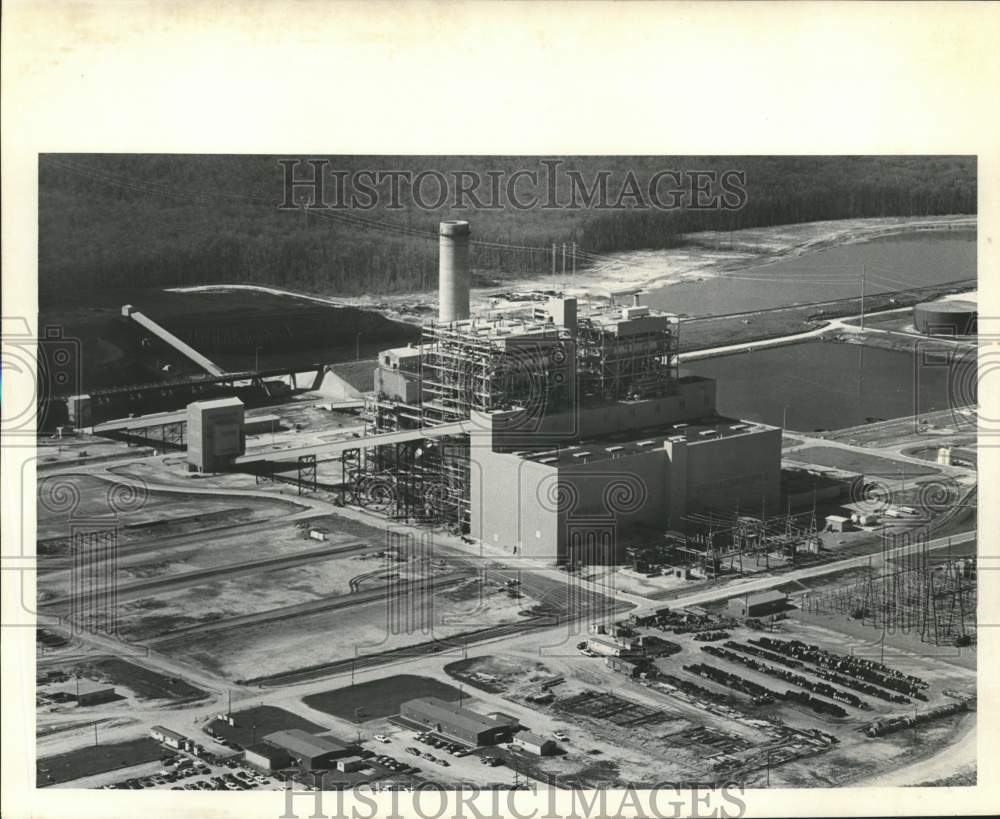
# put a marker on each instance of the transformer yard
(537, 521)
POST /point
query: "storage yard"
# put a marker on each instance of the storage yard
(534, 548)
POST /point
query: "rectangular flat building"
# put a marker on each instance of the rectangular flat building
(167, 737)
(622, 468)
(452, 720)
(758, 605)
(267, 757)
(309, 750)
(534, 744)
(214, 434)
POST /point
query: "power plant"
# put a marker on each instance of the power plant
(581, 436)
(535, 476)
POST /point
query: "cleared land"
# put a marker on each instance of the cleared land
(379, 698)
(859, 463)
(94, 760)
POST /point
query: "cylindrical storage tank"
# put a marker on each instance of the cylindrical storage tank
(453, 271)
(945, 318)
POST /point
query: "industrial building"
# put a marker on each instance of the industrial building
(348, 764)
(87, 692)
(452, 720)
(309, 751)
(946, 317)
(631, 668)
(758, 605)
(608, 646)
(581, 434)
(214, 434)
(534, 744)
(169, 738)
(267, 757)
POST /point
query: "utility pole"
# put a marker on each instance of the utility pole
(553, 258)
(229, 707)
(861, 347)
(564, 259)
(863, 277)
(95, 734)
(574, 260)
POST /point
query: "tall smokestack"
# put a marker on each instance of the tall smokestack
(453, 271)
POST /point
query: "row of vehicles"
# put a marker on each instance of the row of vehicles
(175, 769)
(392, 764)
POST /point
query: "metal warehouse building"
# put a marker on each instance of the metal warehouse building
(758, 605)
(308, 750)
(535, 744)
(454, 721)
(267, 757)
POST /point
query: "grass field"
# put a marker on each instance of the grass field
(147, 684)
(95, 760)
(861, 463)
(379, 698)
(254, 724)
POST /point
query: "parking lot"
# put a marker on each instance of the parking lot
(187, 773)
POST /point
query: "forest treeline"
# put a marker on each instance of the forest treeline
(108, 221)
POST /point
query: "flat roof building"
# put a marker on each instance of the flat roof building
(534, 744)
(267, 757)
(214, 434)
(758, 605)
(167, 737)
(635, 465)
(309, 750)
(454, 721)
(88, 692)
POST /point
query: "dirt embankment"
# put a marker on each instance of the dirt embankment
(705, 255)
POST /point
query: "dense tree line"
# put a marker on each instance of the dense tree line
(133, 221)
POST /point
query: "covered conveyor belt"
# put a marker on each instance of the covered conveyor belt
(329, 450)
(169, 338)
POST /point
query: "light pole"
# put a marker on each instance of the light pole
(256, 358)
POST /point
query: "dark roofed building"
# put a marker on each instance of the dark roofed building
(267, 757)
(758, 605)
(454, 721)
(309, 750)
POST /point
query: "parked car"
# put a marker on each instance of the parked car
(381, 738)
